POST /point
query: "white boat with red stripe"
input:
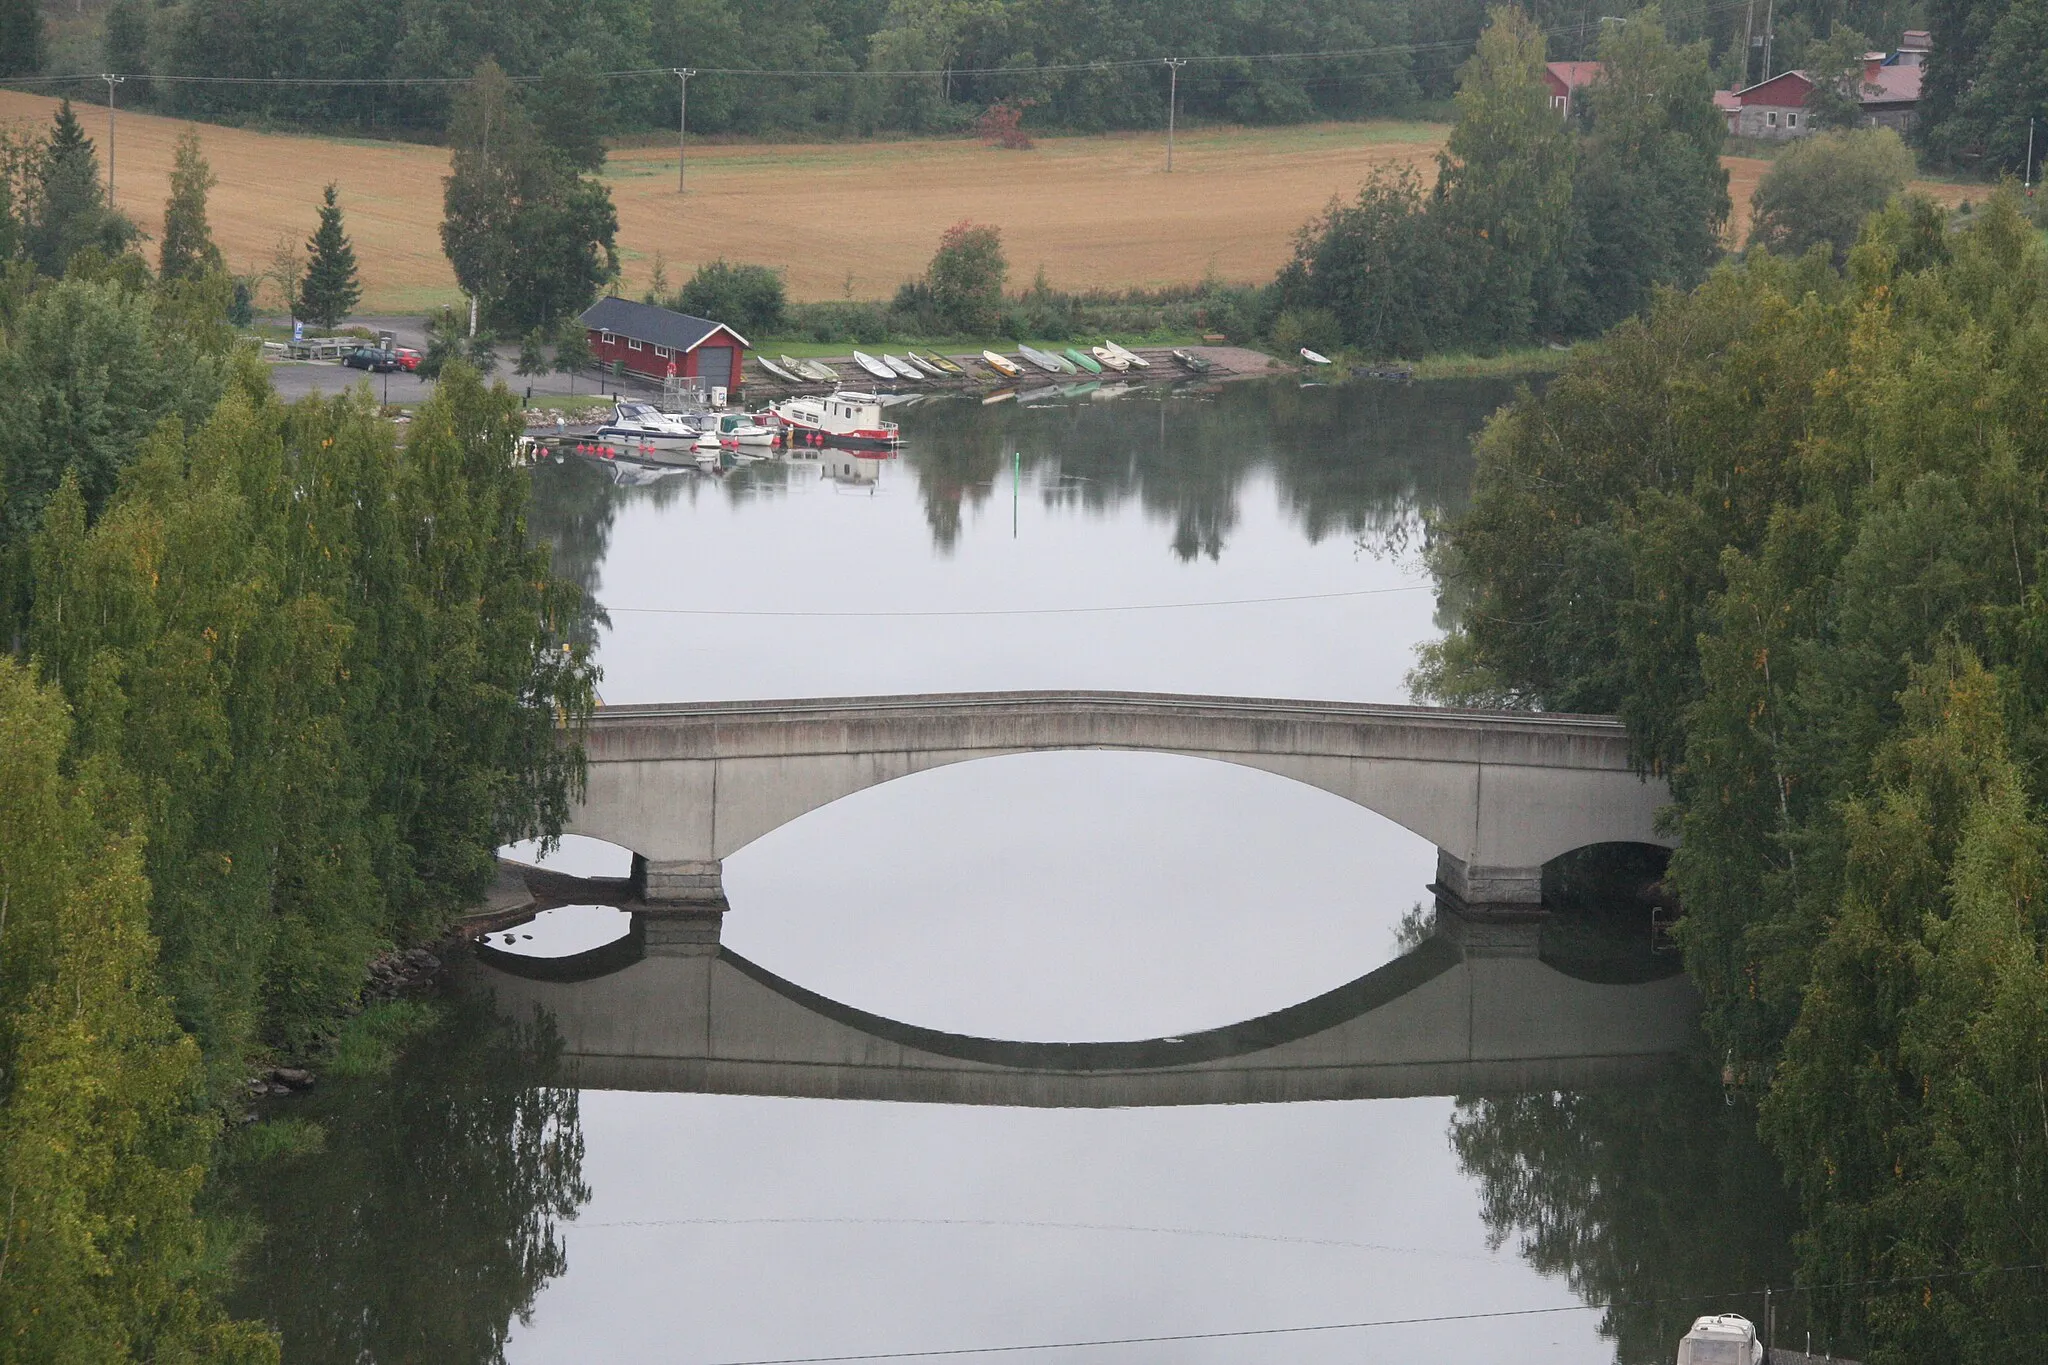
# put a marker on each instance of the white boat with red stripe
(840, 419)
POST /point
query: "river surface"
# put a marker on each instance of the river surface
(1255, 539)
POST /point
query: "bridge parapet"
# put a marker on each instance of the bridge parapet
(1499, 793)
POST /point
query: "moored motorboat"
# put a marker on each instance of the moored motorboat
(903, 368)
(874, 366)
(1110, 360)
(1001, 364)
(737, 428)
(1194, 364)
(843, 418)
(644, 426)
(1130, 357)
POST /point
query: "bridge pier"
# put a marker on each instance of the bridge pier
(1482, 887)
(680, 881)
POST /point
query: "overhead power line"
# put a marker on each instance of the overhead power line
(828, 73)
(1024, 611)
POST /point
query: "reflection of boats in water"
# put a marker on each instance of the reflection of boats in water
(631, 473)
(843, 418)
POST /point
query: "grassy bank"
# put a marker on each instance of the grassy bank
(1500, 365)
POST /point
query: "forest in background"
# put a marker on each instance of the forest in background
(1082, 65)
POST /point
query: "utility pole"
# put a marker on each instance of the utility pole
(683, 74)
(2030, 156)
(111, 81)
(1770, 33)
(1748, 41)
(1173, 66)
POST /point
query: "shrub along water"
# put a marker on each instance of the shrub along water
(1793, 526)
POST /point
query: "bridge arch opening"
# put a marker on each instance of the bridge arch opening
(577, 855)
(1077, 895)
(1610, 913)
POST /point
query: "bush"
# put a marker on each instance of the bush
(966, 277)
(1822, 188)
(747, 298)
(1314, 328)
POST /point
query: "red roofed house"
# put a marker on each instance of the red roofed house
(1565, 79)
(1889, 95)
(652, 340)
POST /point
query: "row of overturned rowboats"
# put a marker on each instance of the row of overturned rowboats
(916, 367)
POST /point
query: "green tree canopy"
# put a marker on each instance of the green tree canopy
(21, 37)
(527, 235)
(70, 210)
(187, 250)
(747, 298)
(330, 289)
(1820, 189)
(966, 277)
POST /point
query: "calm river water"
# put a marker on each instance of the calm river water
(1261, 539)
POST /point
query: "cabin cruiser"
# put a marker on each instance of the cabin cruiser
(642, 425)
(843, 418)
(1727, 1339)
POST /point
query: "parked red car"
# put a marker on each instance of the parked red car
(408, 358)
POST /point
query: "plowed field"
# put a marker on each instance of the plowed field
(844, 220)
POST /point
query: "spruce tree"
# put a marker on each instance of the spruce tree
(72, 211)
(330, 289)
(21, 37)
(188, 251)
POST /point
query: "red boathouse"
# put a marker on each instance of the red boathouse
(652, 340)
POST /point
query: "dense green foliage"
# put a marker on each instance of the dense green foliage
(750, 299)
(1080, 64)
(1535, 226)
(329, 290)
(1794, 527)
(21, 37)
(101, 1146)
(964, 282)
(187, 251)
(1988, 75)
(67, 211)
(1820, 189)
(529, 235)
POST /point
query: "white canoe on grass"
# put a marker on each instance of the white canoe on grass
(1313, 357)
(873, 366)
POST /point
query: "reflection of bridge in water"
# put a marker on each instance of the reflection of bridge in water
(1472, 1009)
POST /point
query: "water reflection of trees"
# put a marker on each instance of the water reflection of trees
(427, 1225)
(1657, 1200)
(1361, 460)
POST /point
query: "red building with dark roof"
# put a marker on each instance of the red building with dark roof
(654, 341)
(1565, 80)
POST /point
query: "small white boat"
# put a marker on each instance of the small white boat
(1001, 364)
(1044, 360)
(787, 376)
(924, 366)
(738, 429)
(813, 369)
(902, 367)
(874, 366)
(1314, 357)
(843, 418)
(1129, 357)
(1110, 360)
(1726, 1339)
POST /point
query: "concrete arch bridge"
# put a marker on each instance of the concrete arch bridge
(686, 785)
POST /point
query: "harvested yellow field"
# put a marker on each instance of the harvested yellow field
(843, 220)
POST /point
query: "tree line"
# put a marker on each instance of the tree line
(1083, 66)
(274, 684)
(1793, 526)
